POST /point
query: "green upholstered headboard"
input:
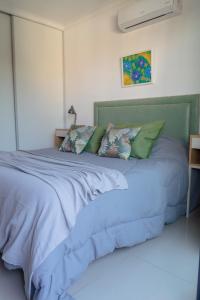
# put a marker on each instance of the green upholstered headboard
(181, 113)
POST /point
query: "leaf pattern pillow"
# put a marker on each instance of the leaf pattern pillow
(117, 142)
(76, 139)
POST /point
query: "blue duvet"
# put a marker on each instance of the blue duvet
(156, 195)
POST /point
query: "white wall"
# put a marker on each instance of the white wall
(92, 56)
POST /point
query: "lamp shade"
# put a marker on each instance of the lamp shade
(72, 110)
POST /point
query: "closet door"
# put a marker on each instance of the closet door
(7, 119)
(39, 83)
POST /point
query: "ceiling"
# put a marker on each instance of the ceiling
(60, 12)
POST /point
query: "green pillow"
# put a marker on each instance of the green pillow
(95, 141)
(142, 145)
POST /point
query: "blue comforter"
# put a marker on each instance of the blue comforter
(118, 218)
(40, 200)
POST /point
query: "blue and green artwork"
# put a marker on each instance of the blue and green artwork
(136, 68)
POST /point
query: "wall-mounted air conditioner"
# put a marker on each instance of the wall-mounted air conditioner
(138, 13)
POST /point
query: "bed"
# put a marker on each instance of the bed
(52, 249)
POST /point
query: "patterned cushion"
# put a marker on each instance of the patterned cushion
(77, 139)
(95, 141)
(117, 142)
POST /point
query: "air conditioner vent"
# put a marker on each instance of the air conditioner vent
(139, 13)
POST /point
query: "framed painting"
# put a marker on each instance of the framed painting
(137, 68)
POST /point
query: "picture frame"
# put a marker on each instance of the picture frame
(136, 69)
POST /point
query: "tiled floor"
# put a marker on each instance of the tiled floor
(161, 269)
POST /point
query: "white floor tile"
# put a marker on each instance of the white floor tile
(136, 279)
(175, 252)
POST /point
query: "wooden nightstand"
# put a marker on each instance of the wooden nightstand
(59, 136)
(194, 163)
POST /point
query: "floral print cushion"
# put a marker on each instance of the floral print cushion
(76, 139)
(117, 142)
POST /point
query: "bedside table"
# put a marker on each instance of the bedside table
(60, 134)
(194, 163)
